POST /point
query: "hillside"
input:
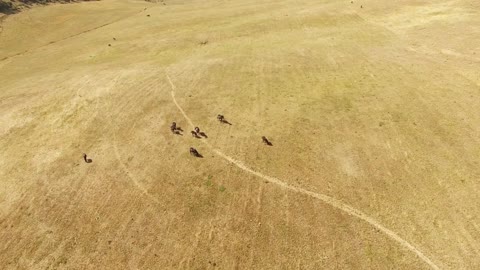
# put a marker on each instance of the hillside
(371, 107)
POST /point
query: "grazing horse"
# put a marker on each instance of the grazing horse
(194, 152)
(87, 160)
(222, 119)
(266, 141)
(176, 129)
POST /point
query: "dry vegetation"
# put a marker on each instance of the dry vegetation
(373, 115)
(14, 6)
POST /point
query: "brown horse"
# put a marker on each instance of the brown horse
(222, 119)
(87, 160)
(266, 141)
(194, 152)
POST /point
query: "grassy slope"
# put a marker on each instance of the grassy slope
(371, 106)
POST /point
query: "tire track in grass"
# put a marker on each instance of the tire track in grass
(116, 151)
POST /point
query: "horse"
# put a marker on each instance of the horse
(87, 160)
(266, 141)
(194, 152)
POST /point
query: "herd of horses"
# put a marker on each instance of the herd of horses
(196, 133)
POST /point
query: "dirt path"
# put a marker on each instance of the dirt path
(326, 199)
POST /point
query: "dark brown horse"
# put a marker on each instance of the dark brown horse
(87, 160)
(194, 152)
(176, 129)
(222, 119)
(266, 141)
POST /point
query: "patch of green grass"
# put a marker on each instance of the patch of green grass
(210, 183)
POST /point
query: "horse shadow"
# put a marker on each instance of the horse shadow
(266, 141)
(225, 122)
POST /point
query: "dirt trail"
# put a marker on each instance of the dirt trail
(325, 198)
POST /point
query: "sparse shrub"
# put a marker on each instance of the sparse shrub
(6, 7)
(13, 6)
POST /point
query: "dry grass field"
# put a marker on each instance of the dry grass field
(372, 107)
